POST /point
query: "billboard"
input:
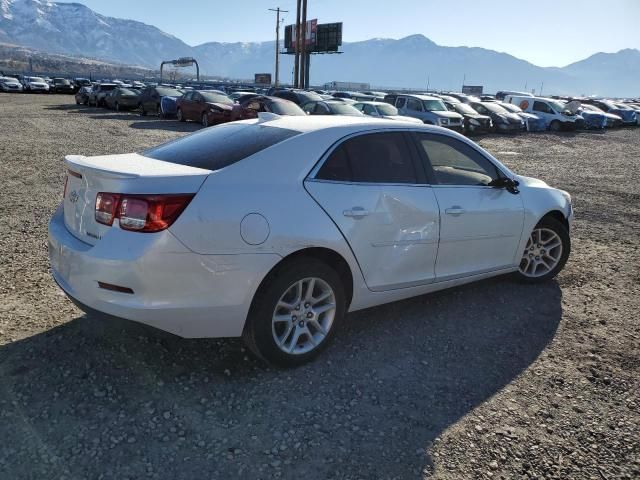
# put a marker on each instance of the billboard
(183, 62)
(319, 38)
(310, 35)
(472, 89)
(328, 37)
(262, 79)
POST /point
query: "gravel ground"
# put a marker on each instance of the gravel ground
(492, 380)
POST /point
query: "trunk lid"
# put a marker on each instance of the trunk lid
(128, 173)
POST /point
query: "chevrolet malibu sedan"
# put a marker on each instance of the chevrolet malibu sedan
(274, 228)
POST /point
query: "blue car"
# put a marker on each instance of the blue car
(627, 115)
(533, 122)
(599, 118)
(168, 106)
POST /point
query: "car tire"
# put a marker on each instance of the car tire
(549, 245)
(179, 115)
(143, 111)
(116, 107)
(159, 111)
(555, 126)
(269, 333)
(204, 120)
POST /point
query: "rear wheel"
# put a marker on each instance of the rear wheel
(546, 252)
(179, 115)
(295, 313)
(117, 107)
(143, 111)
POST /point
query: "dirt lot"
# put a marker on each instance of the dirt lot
(492, 380)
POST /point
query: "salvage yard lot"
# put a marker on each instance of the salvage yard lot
(492, 380)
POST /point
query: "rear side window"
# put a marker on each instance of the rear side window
(371, 158)
(218, 147)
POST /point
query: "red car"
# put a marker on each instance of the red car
(250, 107)
(206, 107)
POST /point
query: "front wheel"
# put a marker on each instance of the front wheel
(546, 252)
(295, 313)
(205, 120)
(180, 116)
(555, 126)
(117, 107)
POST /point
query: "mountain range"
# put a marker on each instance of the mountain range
(412, 62)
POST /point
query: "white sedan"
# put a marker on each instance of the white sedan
(274, 228)
(383, 110)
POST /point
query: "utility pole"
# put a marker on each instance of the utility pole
(303, 53)
(296, 66)
(277, 10)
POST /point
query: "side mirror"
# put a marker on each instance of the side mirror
(507, 183)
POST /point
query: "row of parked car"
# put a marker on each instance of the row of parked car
(31, 84)
(505, 112)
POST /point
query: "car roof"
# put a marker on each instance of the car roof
(313, 123)
(419, 96)
(371, 102)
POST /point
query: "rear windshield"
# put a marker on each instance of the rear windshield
(218, 147)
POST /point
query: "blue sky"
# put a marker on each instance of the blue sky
(544, 32)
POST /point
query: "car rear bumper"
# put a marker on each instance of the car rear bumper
(174, 289)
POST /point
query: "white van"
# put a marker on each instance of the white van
(554, 112)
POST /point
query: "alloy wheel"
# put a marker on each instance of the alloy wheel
(303, 316)
(205, 120)
(542, 253)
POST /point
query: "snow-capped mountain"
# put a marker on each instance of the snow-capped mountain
(73, 28)
(414, 61)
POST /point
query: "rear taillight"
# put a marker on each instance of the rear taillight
(140, 213)
(106, 207)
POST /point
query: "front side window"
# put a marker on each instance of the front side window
(400, 102)
(541, 107)
(414, 104)
(371, 158)
(455, 163)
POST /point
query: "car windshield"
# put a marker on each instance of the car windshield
(386, 109)
(168, 92)
(494, 107)
(128, 93)
(106, 87)
(218, 147)
(306, 97)
(591, 108)
(464, 109)
(343, 109)
(8, 80)
(511, 107)
(286, 108)
(36, 79)
(558, 107)
(434, 106)
(61, 81)
(216, 98)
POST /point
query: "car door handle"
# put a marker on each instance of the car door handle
(356, 212)
(455, 211)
